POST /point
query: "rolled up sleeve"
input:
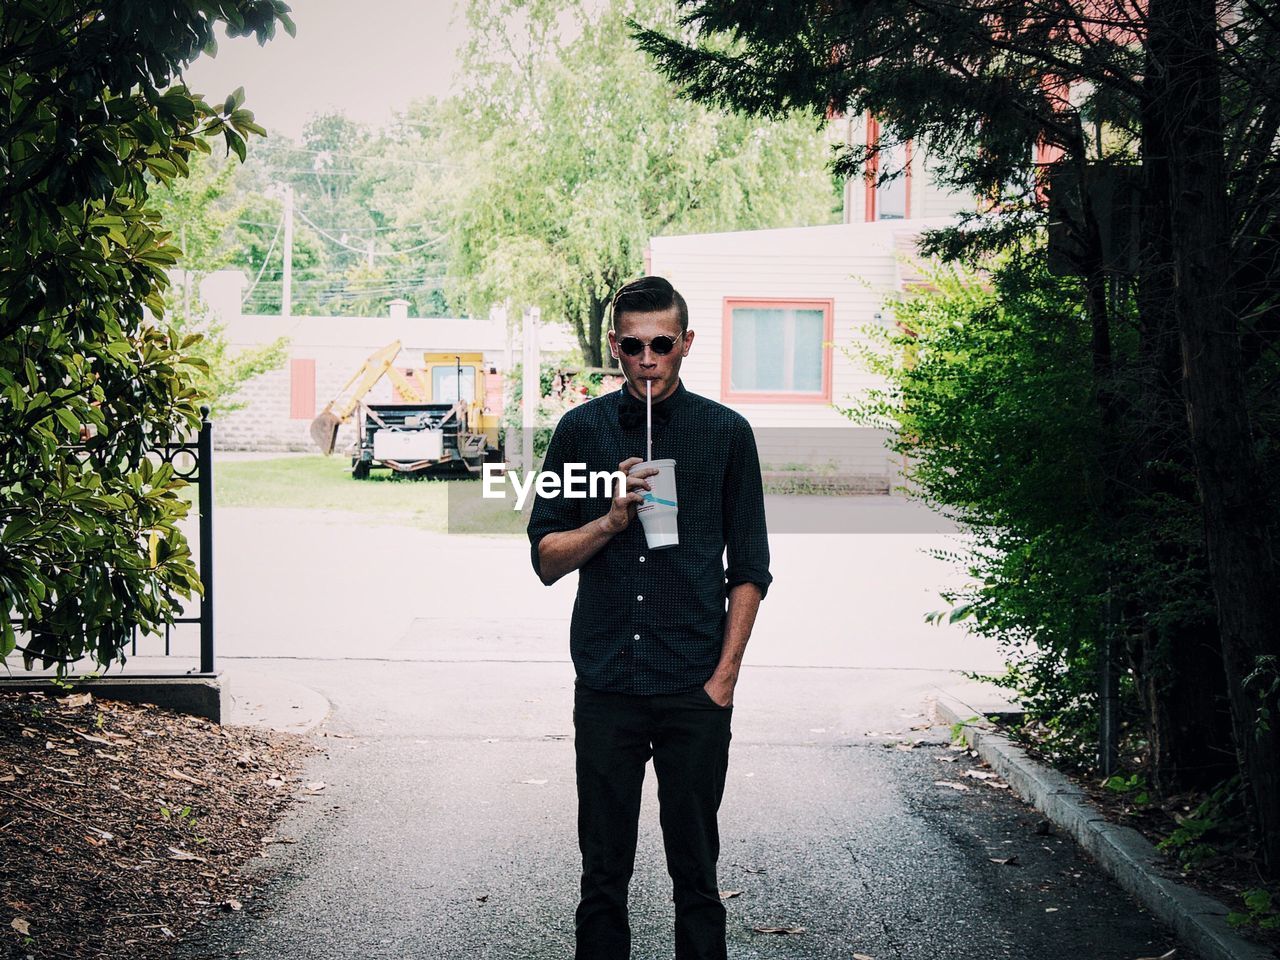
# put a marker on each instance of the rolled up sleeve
(745, 532)
(554, 514)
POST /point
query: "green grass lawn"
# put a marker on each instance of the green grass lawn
(325, 483)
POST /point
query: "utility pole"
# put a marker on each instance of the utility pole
(531, 393)
(511, 449)
(286, 296)
(370, 255)
(186, 278)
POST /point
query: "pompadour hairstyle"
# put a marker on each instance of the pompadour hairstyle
(647, 295)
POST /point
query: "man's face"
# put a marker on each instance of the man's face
(662, 371)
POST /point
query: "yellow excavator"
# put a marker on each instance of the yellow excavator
(439, 423)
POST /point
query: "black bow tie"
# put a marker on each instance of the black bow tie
(631, 413)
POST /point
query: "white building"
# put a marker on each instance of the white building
(775, 314)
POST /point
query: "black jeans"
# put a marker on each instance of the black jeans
(687, 734)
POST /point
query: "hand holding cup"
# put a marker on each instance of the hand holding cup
(623, 509)
(658, 511)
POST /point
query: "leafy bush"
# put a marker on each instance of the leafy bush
(1081, 529)
(221, 371)
(550, 406)
(89, 381)
(988, 397)
(1260, 911)
(1217, 819)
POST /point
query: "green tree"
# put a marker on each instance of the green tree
(1181, 92)
(89, 378)
(356, 193)
(400, 185)
(989, 400)
(576, 152)
(257, 245)
(201, 210)
(218, 370)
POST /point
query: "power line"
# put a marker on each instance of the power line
(363, 229)
(315, 173)
(265, 260)
(408, 281)
(344, 173)
(422, 246)
(266, 294)
(366, 251)
(277, 276)
(328, 236)
(342, 155)
(316, 282)
(333, 286)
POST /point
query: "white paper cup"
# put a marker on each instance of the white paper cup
(658, 512)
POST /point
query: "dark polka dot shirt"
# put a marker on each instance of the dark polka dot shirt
(652, 621)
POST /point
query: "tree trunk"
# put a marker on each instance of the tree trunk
(1177, 665)
(1242, 566)
(582, 329)
(1182, 689)
(595, 324)
(590, 332)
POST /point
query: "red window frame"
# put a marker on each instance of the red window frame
(873, 172)
(727, 393)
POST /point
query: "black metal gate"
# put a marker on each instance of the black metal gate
(194, 463)
(191, 460)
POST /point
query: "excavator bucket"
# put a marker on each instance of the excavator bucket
(324, 430)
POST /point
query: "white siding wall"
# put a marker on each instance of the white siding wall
(930, 199)
(852, 264)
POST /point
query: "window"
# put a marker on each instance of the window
(444, 384)
(777, 351)
(892, 200)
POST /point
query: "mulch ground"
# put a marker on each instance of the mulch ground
(124, 826)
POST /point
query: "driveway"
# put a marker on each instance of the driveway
(446, 826)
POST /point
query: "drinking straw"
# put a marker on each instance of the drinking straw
(648, 419)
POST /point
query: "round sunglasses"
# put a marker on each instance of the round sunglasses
(633, 346)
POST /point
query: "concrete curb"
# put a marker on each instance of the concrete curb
(205, 695)
(234, 694)
(263, 699)
(1130, 859)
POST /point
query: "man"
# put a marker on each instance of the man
(655, 651)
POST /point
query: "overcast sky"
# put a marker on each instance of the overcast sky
(366, 59)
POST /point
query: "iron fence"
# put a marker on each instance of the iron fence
(192, 461)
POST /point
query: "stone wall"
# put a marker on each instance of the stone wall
(264, 422)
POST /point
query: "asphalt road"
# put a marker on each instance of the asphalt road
(446, 830)
(446, 826)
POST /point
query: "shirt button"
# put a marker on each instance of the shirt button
(642, 559)
(639, 596)
(637, 636)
